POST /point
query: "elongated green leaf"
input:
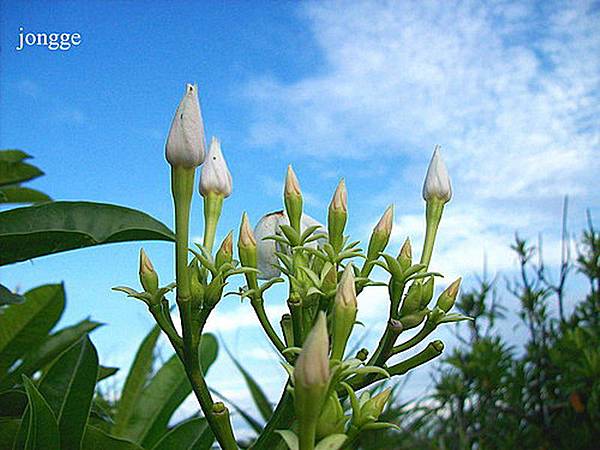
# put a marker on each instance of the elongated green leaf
(7, 297)
(39, 427)
(9, 427)
(136, 380)
(96, 439)
(193, 434)
(56, 227)
(68, 386)
(18, 194)
(50, 348)
(290, 439)
(24, 326)
(12, 403)
(258, 395)
(17, 172)
(10, 155)
(163, 395)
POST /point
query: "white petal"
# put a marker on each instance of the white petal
(215, 176)
(437, 181)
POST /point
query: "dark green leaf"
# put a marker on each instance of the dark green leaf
(7, 297)
(12, 403)
(8, 431)
(18, 194)
(24, 326)
(258, 395)
(68, 386)
(136, 380)
(106, 372)
(56, 227)
(13, 155)
(39, 429)
(96, 439)
(193, 434)
(17, 172)
(50, 348)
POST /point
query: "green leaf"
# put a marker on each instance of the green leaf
(7, 297)
(68, 386)
(333, 442)
(39, 428)
(12, 403)
(290, 439)
(13, 156)
(136, 380)
(96, 439)
(258, 395)
(106, 372)
(193, 434)
(56, 227)
(18, 194)
(8, 431)
(51, 348)
(12, 172)
(24, 326)
(163, 395)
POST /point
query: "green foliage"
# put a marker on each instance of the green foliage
(55, 227)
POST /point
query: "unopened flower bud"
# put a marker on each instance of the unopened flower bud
(215, 177)
(292, 196)
(225, 252)
(247, 250)
(185, 144)
(448, 297)
(148, 276)
(338, 215)
(374, 407)
(412, 299)
(413, 320)
(312, 366)
(344, 312)
(405, 255)
(381, 234)
(437, 184)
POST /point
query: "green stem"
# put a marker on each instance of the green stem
(433, 215)
(306, 434)
(416, 339)
(297, 320)
(213, 204)
(433, 350)
(259, 309)
(182, 184)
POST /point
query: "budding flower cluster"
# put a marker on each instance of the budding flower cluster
(185, 144)
(437, 184)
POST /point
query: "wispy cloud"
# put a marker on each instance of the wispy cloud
(510, 89)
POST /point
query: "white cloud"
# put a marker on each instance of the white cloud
(510, 89)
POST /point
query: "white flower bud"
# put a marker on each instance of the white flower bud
(268, 225)
(215, 177)
(437, 182)
(312, 366)
(346, 292)
(185, 143)
(292, 185)
(247, 238)
(339, 202)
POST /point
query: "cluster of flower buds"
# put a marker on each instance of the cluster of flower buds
(319, 261)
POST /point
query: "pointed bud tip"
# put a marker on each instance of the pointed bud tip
(452, 290)
(292, 185)
(246, 235)
(437, 185)
(346, 290)
(312, 365)
(145, 263)
(386, 221)
(406, 250)
(339, 202)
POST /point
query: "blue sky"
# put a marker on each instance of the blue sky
(358, 89)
